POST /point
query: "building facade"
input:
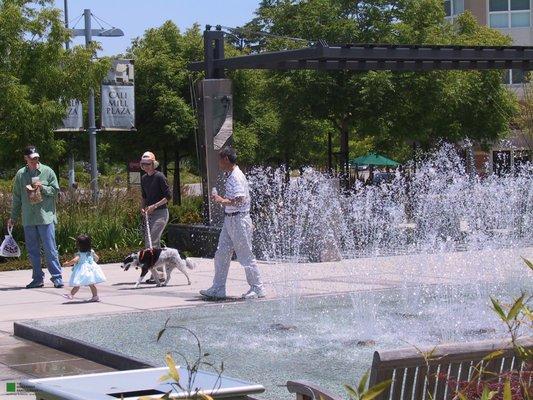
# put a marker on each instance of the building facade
(513, 18)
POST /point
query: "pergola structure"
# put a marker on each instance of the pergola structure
(365, 57)
(361, 57)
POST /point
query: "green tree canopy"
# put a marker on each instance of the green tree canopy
(164, 115)
(292, 112)
(38, 77)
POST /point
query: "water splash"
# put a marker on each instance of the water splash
(439, 208)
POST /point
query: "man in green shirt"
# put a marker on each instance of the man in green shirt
(35, 189)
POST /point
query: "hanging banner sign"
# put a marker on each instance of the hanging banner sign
(118, 107)
(73, 120)
(118, 97)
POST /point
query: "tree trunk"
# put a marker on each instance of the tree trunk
(164, 167)
(176, 184)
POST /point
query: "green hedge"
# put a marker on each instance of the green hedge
(114, 223)
(189, 212)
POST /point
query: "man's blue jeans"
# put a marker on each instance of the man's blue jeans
(45, 234)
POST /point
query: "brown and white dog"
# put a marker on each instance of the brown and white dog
(158, 260)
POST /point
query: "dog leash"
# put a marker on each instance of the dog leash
(148, 233)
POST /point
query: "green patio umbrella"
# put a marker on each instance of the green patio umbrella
(374, 159)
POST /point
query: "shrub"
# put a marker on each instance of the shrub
(189, 212)
(113, 223)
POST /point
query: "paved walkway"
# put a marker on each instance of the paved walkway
(20, 359)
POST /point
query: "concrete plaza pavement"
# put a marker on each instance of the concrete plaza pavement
(20, 359)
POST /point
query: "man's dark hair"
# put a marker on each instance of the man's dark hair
(84, 243)
(230, 153)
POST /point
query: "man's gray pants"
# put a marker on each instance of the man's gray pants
(157, 220)
(236, 235)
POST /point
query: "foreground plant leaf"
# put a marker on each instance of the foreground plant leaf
(528, 263)
(507, 394)
(493, 355)
(498, 308)
(515, 309)
(461, 396)
(487, 394)
(376, 390)
(204, 396)
(362, 383)
(161, 332)
(351, 392)
(173, 372)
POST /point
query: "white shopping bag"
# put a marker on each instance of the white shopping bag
(9, 248)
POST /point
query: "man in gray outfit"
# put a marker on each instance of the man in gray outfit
(236, 234)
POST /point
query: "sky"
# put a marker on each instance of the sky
(135, 16)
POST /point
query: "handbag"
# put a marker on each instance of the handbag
(9, 247)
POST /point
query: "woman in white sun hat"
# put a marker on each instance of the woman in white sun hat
(155, 196)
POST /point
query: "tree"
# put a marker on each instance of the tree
(37, 78)
(165, 118)
(388, 110)
(525, 116)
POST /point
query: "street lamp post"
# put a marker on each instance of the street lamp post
(71, 171)
(88, 33)
(91, 129)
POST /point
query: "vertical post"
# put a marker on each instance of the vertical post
(67, 43)
(211, 92)
(344, 154)
(213, 50)
(330, 154)
(176, 186)
(91, 130)
(208, 55)
(219, 52)
(71, 171)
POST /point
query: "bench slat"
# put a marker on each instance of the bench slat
(409, 380)
(452, 380)
(398, 384)
(420, 382)
(442, 379)
(431, 383)
(463, 372)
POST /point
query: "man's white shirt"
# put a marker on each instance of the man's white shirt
(237, 186)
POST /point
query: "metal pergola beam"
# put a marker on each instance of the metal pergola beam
(380, 57)
(397, 66)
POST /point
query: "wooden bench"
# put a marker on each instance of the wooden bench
(411, 379)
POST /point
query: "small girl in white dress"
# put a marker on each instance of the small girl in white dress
(85, 270)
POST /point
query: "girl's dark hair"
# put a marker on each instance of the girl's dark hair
(83, 242)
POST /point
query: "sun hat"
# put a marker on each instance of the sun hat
(149, 157)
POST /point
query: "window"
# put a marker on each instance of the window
(453, 8)
(514, 77)
(517, 76)
(509, 13)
